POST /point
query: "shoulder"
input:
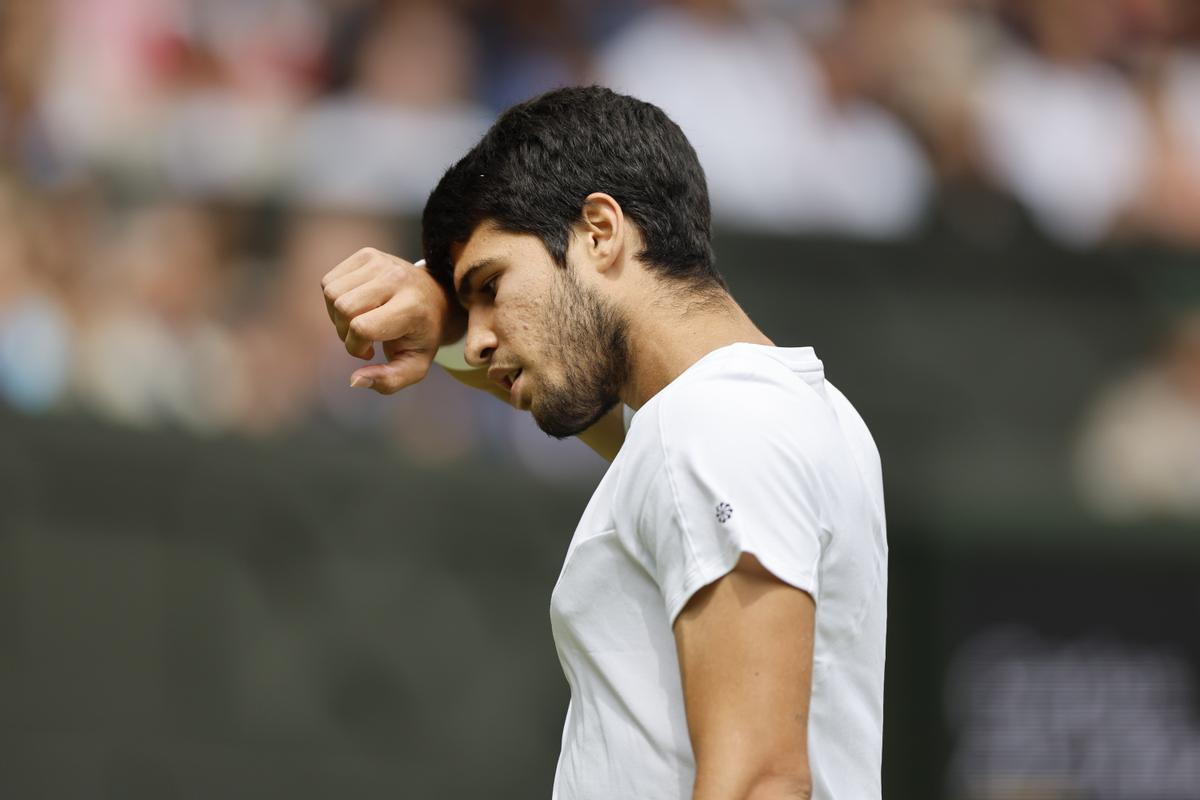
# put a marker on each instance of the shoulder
(738, 404)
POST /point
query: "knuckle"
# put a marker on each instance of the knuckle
(395, 274)
(342, 306)
(360, 329)
(367, 252)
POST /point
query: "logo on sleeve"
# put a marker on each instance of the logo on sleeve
(724, 511)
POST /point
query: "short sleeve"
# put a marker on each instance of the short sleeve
(741, 472)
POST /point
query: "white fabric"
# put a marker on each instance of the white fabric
(749, 450)
(349, 152)
(777, 154)
(1071, 142)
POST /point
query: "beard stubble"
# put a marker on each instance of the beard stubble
(589, 337)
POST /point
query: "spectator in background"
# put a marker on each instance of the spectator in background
(1139, 455)
(236, 74)
(25, 30)
(1167, 62)
(406, 108)
(528, 47)
(284, 341)
(152, 347)
(35, 330)
(786, 138)
(1059, 126)
(927, 59)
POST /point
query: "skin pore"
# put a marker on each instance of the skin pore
(610, 330)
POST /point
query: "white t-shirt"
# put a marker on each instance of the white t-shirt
(749, 450)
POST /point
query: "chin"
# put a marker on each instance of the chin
(557, 427)
(562, 425)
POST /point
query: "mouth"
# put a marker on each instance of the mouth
(512, 383)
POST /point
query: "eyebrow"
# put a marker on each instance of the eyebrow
(466, 286)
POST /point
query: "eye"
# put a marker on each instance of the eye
(489, 286)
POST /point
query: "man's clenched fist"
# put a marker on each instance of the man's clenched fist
(376, 297)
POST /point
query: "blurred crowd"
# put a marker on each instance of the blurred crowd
(175, 175)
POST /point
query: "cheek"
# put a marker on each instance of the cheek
(523, 318)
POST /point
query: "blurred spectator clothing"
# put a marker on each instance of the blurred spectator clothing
(1169, 208)
(35, 353)
(1139, 455)
(528, 47)
(101, 103)
(415, 54)
(137, 371)
(357, 155)
(220, 144)
(778, 153)
(153, 348)
(1182, 98)
(1070, 141)
(270, 50)
(35, 328)
(405, 115)
(927, 61)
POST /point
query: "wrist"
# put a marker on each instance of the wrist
(451, 353)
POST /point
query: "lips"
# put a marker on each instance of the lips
(507, 378)
(514, 388)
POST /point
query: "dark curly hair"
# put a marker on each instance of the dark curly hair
(532, 171)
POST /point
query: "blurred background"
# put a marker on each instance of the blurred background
(223, 573)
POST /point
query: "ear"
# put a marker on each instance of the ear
(602, 231)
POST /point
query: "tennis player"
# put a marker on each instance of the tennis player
(720, 616)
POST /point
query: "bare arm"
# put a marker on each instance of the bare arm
(745, 645)
(376, 297)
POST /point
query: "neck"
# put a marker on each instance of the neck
(672, 336)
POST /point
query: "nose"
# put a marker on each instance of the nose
(481, 339)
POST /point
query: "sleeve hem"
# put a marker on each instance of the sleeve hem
(702, 575)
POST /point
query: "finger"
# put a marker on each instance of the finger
(359, 300)
(390, 321)
(399, 320)
(350, 264)
(353, 279)
(346, 282)
(407, 368)
(344, 285)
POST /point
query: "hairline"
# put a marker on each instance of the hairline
(705, 288)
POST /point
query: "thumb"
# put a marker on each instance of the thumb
(403, 370)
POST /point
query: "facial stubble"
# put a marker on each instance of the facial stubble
(589, 337)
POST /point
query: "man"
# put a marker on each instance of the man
(721, 612)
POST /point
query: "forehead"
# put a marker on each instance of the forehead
(489, 242)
